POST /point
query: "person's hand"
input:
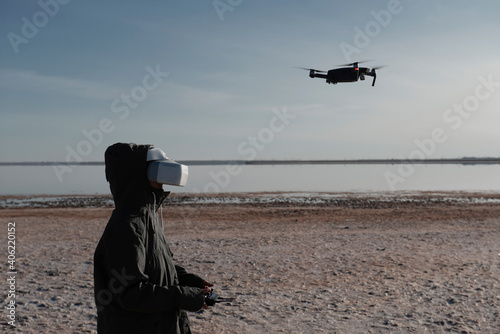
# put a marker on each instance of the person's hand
(206, 286)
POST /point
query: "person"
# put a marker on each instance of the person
(137, 286)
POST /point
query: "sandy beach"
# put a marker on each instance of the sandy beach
(286, 262)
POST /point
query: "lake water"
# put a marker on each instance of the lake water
(318, 178)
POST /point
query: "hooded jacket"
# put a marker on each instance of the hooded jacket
(137, 286)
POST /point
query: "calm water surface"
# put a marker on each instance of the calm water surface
(213, 179)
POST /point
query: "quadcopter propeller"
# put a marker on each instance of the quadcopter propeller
(310, 69)
(372, 70)
(356, 62)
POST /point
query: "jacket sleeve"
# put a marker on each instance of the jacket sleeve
(187, 279)
(130, 286)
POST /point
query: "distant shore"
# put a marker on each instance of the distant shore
(256, 198)
(276, 162)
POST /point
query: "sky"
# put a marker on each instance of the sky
(219, 80)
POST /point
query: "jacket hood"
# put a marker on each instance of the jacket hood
(126, 172)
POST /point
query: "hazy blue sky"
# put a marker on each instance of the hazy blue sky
(216, 79)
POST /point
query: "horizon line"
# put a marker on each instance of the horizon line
(271, 162)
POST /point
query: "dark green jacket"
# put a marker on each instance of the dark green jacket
(137, 287)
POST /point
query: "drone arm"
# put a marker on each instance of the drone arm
(374, 75)
(317, 75)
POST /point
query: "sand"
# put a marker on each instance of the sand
(291, 263)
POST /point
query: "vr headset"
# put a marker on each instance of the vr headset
(163, 170)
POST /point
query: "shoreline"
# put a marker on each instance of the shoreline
(28, 201)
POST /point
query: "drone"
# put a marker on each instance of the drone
(344, 74)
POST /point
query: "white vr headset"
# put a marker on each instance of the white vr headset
(163, 170)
